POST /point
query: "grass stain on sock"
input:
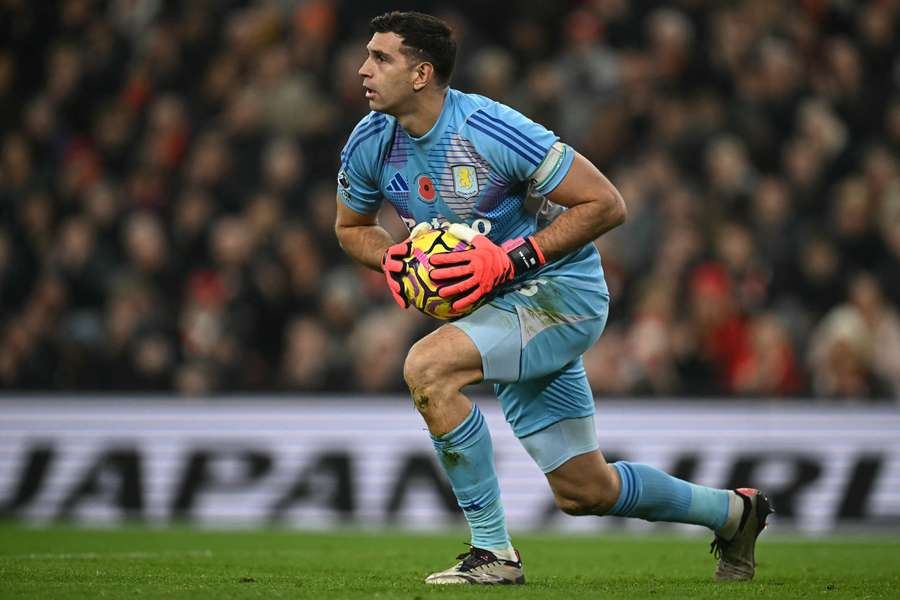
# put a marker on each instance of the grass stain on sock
(451, 458)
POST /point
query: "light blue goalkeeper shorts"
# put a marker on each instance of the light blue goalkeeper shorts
(531, 338)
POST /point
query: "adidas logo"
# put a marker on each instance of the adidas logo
(397, 185)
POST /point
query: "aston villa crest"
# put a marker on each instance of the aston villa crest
(465, 181)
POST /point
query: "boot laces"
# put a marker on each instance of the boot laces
(718, 547)
(474, 558)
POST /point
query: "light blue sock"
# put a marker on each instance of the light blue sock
(467, 455)
(648, 493)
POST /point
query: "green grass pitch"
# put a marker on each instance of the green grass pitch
(63, 563)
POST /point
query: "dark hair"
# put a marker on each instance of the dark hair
(424, 38)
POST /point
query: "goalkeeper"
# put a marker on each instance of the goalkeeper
(440, 156)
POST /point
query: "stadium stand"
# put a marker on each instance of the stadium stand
(167, 191)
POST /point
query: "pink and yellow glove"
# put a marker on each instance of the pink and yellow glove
(484, 267)
(394, 268)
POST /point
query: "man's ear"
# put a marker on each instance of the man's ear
(422, 74)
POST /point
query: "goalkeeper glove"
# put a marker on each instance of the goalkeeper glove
(393, 266)
(484, 267)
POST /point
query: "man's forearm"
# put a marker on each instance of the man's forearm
(578, 226)
(365, 243)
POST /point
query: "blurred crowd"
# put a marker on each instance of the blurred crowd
(167, 190)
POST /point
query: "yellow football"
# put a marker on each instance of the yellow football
(418, 287)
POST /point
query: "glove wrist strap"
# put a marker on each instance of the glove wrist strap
(525, 255)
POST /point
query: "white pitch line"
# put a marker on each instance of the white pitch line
(127, 555)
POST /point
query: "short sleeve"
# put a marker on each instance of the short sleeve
(519, 149)
(357, 181)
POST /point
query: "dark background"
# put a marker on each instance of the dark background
(167, 191)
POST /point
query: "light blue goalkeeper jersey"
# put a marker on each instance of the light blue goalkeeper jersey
(475, 166)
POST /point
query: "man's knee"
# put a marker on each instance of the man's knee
(423, 369)
(429, 378)
(592, 500)
(585, 485)
(444, 361)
